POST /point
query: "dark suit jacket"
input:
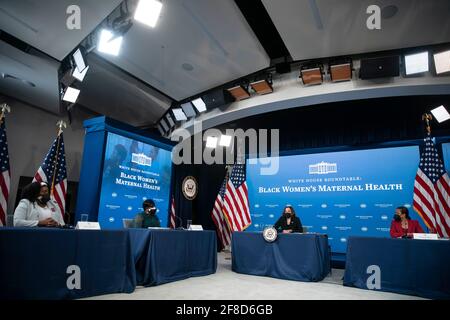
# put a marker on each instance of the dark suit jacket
(295, 226)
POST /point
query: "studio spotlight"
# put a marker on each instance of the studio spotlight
(442, 62)
(199, 104)
(440, 114)
(311, 74)
(79, 75)
(108, 43)
(211, 142)
(340, 70)
(263, 86)
(188, 109)
(239, 93)
(71, 94)
(79, 60)
(225, 141)
(179, 114)
(416, 63)
(148, 12)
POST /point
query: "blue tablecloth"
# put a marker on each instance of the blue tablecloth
(301, 257)
(163, 256)
(407, 266)
(34, 262)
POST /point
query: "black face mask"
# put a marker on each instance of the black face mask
(397, 217)
(44, 199)
(287, 215)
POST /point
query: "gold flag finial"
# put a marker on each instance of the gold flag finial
(427, 118)
(60, 124)
(3, 109)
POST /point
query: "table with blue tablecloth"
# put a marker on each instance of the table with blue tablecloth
(163, 256)
(35, 263)
(407, 266)
(301, 257)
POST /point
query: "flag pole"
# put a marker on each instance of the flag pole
(60, 124)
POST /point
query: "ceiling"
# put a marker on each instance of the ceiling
(326, 28)
(197, 45)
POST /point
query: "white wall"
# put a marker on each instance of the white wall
(30, 132)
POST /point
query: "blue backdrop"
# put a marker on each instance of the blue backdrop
(132, 172)
(339, 193)
(446, 153)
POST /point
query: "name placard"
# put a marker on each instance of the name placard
(87, 225)
(195, 227)
(425, 236)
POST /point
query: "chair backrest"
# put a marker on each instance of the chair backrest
(305, 229)
(128, 223)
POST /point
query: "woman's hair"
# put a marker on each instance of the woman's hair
(292, 209)
(31, 191)
(148, 203)
(405, 211)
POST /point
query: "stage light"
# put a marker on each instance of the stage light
(164, 125)
(179, 114)
(71, 94)
(211, 142)
(188, 109)
(170, 120)
(442, 62)
(79, 75)
(79, 61)
(311, 74)
(225, 141)
(416, 63)
(108, 43)
(148, 12)
(262, 86)
(161, 130)
(341, 71)
(199, 104)
(239, 93)
(440, 114)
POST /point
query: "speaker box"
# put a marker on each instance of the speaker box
(283, 67)
(384, 67)
(217, 98)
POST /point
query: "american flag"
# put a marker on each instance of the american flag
(172, 223)
(432, 190)
(236, 208)
(223, 230)
(53, 171)
(5, 173)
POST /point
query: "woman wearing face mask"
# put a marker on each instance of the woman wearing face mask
(148, 217)
(289, 222)
(402, 226)
(36, 209)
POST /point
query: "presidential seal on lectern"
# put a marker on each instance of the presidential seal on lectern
(270, 234)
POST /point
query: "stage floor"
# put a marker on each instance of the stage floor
(227, 285)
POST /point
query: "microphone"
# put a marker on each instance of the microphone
(181, 223)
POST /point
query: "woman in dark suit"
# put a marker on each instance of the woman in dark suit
(289, 222)
(402, 226)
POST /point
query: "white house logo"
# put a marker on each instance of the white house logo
(363, 205)
(271, 216)
(114, 194)
(256, 225)
(324, 228)
(142, 159)
(343, 240)
(324, 205)
(342, 216)
(130, 208)
(323, 168)
(407, 205)
(256, 205)
(111, 219)
(384, 217)
(364, 229)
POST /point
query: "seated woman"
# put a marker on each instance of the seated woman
(36, 208)
(148, 217)
(289, 222)
(402, 226)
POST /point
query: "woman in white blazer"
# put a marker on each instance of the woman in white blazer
(36, 209)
